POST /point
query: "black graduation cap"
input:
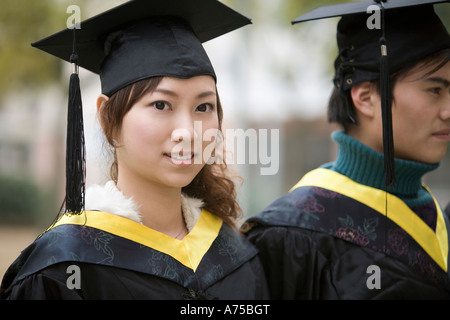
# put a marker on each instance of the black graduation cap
(134, 41)
(408, 31)
(344, 9)
(145, 38)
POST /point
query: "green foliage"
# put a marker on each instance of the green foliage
(20, 200)
(22, 22)
(444, 13)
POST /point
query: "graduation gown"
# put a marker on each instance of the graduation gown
(98, 255)
(330, 238)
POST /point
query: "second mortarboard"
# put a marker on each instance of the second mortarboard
(408, 30)
(137, 40)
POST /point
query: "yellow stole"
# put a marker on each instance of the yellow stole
(434, 243)
(189, 251)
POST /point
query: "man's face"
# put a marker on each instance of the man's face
(421, 114)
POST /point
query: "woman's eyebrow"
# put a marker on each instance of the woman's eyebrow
(167, 92)
(206, 94)
(174, 94)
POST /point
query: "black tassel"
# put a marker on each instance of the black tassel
(386, 108)
(386, 114)
(75, 146)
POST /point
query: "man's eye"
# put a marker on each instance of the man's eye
(435, 90)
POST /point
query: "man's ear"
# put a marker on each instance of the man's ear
(364, 99)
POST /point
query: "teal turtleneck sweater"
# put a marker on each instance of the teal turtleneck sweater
(366, 166)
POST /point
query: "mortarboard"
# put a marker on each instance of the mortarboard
(134, 41)
(408, 31)
(129, 42)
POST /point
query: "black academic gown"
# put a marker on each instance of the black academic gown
(329, 239)
(104, 256)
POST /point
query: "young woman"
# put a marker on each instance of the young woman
(164, 226)
(341, 233)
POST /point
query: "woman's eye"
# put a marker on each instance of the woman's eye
(204, 107)
(160, 105)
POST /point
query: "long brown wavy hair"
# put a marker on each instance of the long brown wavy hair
(214, 184)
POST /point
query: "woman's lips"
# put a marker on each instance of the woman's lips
(182, 160)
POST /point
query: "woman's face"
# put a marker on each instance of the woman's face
(164, 135)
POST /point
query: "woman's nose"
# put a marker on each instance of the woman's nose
(185, 130)
(181, 134)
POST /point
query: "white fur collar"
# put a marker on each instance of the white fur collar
(109, 199)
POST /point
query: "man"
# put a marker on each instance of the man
(364, 226)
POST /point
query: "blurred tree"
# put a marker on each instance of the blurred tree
(22, 22)
(20, 200)
(444, 13)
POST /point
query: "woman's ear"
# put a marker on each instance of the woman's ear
(100, 100)
(364, 99)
